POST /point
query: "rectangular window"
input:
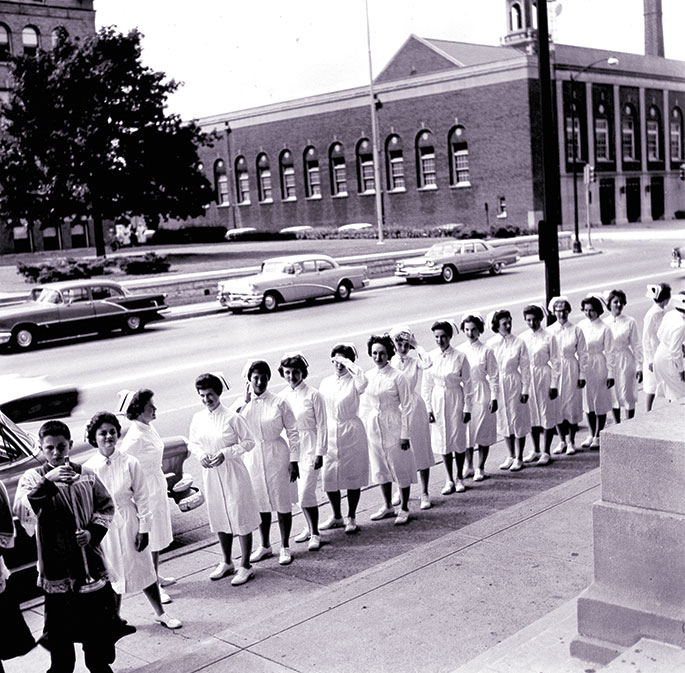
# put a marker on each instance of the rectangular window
(313, 179)
(289, 182)
(461, 167)
(339, 177)
(428, 176)
(676, 141)
(222, 185)
(602, 140)
(628, 139)
(368, 183)
(570, 123)
(265, 190)
(396, 170)
(653, 145)
(243, 187)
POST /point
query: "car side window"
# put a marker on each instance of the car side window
(324, 265)
(105, 292)
(479, 247)
(309, 266)
(75, 295)
(468, 247)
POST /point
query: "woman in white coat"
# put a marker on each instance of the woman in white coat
(668, 359)
(513, 413)
(220, 439)
(482, 428)
(573, 357)
(143, 442)
(387, 410)
(411, 360)
(545, 368)
(661, 295)
(599, 374)
(346, 463)
(446, 390)
(273, 465)
(125, 547)
(310, 413)
(628, 350)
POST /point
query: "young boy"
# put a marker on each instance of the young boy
(70, 510)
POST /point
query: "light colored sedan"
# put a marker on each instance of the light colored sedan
(293, 278)
(451, 259)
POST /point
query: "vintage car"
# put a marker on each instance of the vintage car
(293, 278)
(677, 255)
(77, 307)
(19, 451)
(450, 259)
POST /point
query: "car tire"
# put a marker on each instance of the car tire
(343, 292)
(448, 274)
(23, 337)
(133, 323)
(496, 268)
(270, 302)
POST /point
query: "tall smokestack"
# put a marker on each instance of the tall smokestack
(654, 28)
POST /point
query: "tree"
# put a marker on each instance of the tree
(86, 134)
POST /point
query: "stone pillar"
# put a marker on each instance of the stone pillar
(639, 539)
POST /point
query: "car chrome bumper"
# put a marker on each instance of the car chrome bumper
(240, 300)
(5, 337)
(423, 272)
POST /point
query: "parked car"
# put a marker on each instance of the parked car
(19, 451)
(296, 229)
(677, 255)
(355, 226)
(452, 259)
(77, 307)
(239, 232)
(294, 278)
(34, 399)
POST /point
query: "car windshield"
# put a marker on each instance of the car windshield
(46, 296)
(277, 267)
(15, 444)
(442, 249)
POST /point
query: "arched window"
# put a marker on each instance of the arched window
(425, 160)
(654, 134)
(628, 145)
(220, 182)
(338, 169)
(287, 166)
(242, 181)
(365, 172)
(676, 134)
(516, 17)
(394, 160)
(264, 179)
(55, 35)
(603, 132)
(459, 158)
(5, 43)
(312, 175)
(29, 38)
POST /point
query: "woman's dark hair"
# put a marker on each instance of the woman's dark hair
(345, 351)
(595, 303)
(567, 306)
(54, 429)
(384, 340)
(476, 320)
(98, 420)
(137, 404)
(617, 293)
(496, 317)
(532, 309)
(209, 381)
(261, 367)
(294, 362)
(664, 292)
(444, 326)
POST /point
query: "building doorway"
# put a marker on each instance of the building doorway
(633, 210)
(656, 191)
(607, 201)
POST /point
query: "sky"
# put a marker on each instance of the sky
(232, 54)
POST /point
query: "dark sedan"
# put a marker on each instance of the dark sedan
(77, 307)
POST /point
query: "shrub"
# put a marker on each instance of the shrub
(63, 269)
(188, 235)
(149, 263)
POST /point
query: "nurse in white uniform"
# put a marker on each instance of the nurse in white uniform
(661, 295)
(668, 359)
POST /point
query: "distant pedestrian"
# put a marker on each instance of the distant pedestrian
(573, 357)
(446, 390)
(481, 432)
(143, 442)
(661, 295)
(309, 408)
(412, 360)
(513, 412)
(346, 463)
(668, 359)
(219, 439)
(70, 510)
(125, 546)
(628, 353)
(545, 368)
(273, 465)
(387, 408)
(600, 370)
